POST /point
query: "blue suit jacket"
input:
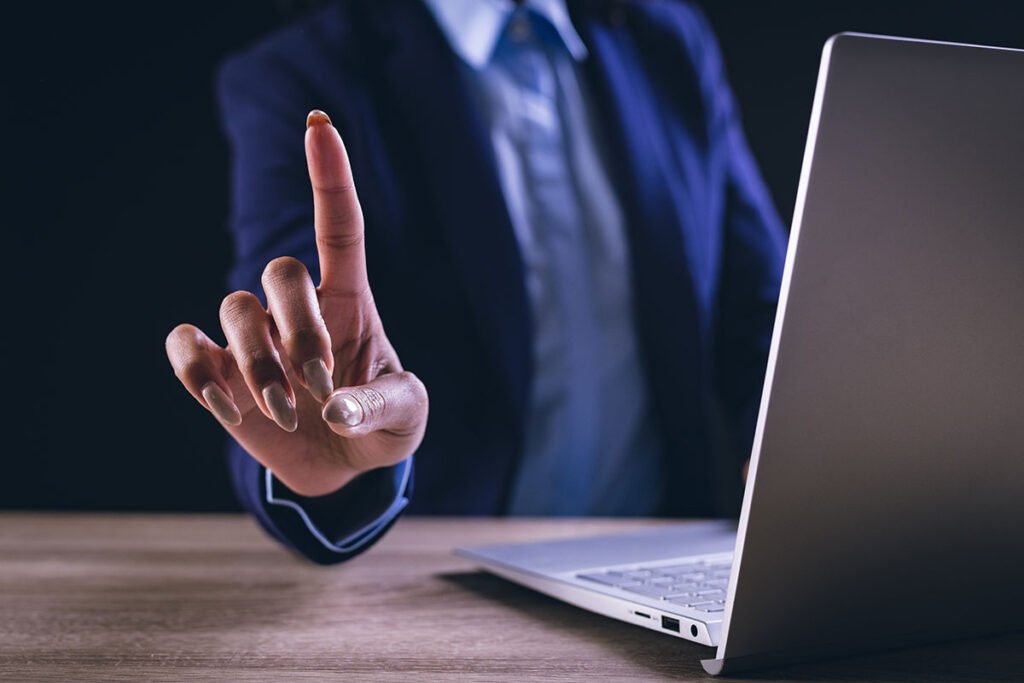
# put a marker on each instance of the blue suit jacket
(707, 246)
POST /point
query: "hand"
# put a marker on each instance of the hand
(272, 388)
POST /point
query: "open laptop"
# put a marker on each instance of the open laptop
(885, 499)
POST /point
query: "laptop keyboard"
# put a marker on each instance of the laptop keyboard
(697, 585)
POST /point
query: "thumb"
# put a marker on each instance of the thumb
(395, 402)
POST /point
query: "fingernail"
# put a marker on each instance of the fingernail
(344, 410)
(222, 406)
(318, 379)
(280, 406)
(317, 118)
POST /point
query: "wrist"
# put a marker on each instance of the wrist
(319, 483)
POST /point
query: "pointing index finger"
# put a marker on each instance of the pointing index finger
(337, 216)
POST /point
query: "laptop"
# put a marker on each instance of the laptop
(885, 500)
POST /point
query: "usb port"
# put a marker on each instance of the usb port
(670, 624)
(642, 614)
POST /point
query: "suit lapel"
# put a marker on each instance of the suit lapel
(423, 81)
(653, 194)
(443, 123)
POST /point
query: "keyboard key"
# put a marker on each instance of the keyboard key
(661, 575)
(690, 602)
(715, 607)
(607, 579)
(661, 580)
(677, 569)
(688, 583)
(638, 574)
(644, 589)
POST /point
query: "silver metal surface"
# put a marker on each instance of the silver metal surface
(885, 501)
(552, 567)
(889, 459)
(595, 552)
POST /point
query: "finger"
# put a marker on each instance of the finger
(395, 402)
(248, 330)
(296, 312)
(198, 363)
(337, 216)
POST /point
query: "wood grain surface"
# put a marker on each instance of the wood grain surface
(188, 598)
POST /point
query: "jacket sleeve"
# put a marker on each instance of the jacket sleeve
(263, 103)
(753, 251)
(327, 529)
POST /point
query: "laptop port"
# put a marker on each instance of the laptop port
(642, 614)
(670, 624)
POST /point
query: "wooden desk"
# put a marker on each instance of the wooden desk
(170, 597)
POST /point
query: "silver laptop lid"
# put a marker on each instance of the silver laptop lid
(886, 496)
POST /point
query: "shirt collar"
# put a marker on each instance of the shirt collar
(473, 27)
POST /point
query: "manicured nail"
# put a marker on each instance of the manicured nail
(317, 118)
(280, 406)
(318, 379)
(222, 406)
(344, 410)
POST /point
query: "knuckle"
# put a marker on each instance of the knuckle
(335, 189)
(236, 306)
(193, 373)
(283, 270)
(417, 390)
(304, 342)
(183, 334)
(346, 233)
(256, 363)
(373, 402)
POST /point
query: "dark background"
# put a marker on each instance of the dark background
(116, 172)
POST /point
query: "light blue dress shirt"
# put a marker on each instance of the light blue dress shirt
(590, 446)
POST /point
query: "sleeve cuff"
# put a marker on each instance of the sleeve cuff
(359, 492)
